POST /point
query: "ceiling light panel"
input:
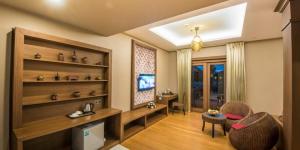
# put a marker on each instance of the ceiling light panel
(221, 24)
(56, 3)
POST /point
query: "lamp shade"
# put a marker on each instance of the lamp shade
(197, 43)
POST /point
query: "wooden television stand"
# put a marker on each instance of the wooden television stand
(137, 120)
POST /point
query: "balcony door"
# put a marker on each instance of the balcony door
(208, 85)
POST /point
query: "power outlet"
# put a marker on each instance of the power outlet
(98, 101)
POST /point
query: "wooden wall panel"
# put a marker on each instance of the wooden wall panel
(32, 113)
(48, 89)
(291, 36)
(287, 111)
(17, 87)
(295, 84)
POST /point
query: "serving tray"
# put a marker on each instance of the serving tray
(82, 115)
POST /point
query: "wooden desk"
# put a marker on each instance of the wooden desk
(167, 99)
(56, 124)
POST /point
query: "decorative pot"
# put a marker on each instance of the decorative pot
(76, 94)
(84, 60)
(93, 93)
(57, 77)
(88, 77)
(61, 57)
(54, 97)
(74, 57)
(98, 78)
(99, 63)
(40, 78)
(37, 56)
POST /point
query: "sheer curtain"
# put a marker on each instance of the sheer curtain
(236, 72)
(184, 64)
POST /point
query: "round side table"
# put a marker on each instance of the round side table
(214, 119)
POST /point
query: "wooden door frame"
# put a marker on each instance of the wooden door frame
(208, 80)
(206, 62)
(205, 92)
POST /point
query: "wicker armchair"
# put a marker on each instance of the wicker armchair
(236, 108)
(260, 133)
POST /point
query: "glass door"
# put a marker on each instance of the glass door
(208, 85)
(216, 85)
(198, 87)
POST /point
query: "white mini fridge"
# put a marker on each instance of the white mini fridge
(88, 137)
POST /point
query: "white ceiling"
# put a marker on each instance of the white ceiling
(108, 17)
(260, 23)
(216, 25)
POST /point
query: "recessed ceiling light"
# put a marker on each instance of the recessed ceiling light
(56, 2)
(221, 24)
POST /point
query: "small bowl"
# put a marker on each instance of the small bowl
(213, 112)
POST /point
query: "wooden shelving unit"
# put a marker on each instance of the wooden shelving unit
(154, 117)
(65, 63)
(139, 119)
(38, 120)
(39, 100)
(63, 81)
(133, 126)
(133, 130)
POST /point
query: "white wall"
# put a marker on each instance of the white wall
(264, 73)
(162, 70)
(121, 63)
(210, 52)
(264, 70)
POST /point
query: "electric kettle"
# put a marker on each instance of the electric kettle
(88, 107)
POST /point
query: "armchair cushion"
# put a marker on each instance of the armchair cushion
(238, 126)
(236, 108)
(233, 116)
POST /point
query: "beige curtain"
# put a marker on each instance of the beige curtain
(236, 72)
(184, 64)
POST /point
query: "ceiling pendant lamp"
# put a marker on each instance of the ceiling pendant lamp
(197, 43)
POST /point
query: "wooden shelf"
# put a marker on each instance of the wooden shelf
(153, 119)
(109, 143)
(136, 120)
(133, 130)
(36, 120)
(55, 124)
(66, 63)
(64, 81)
(36, 100)
(138, 113)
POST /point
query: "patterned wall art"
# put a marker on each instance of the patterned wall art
(143, 62)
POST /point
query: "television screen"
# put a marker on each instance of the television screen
(146, 82)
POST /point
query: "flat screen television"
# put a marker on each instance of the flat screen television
(146, 82)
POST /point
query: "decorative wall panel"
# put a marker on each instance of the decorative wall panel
(143, 62)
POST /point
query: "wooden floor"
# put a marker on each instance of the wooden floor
(179, 132)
